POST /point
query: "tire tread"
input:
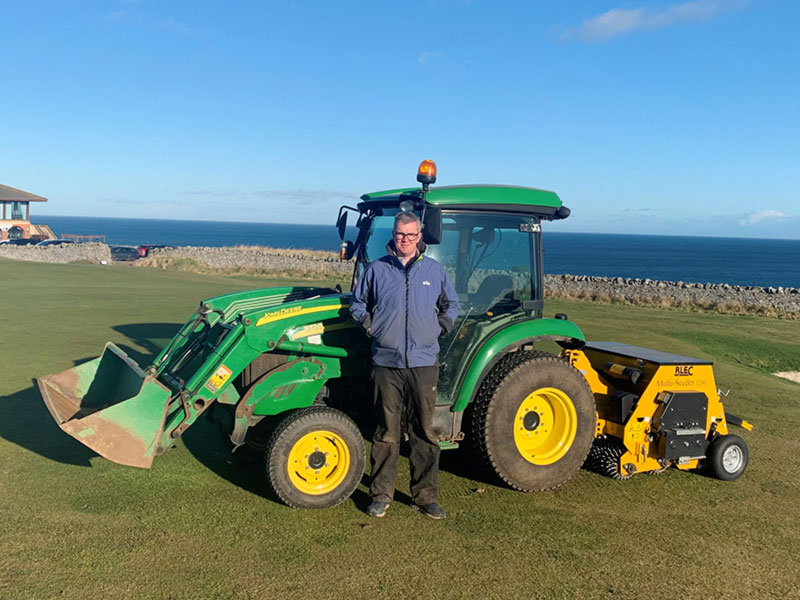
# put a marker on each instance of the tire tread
(299, 419)
(485, 404)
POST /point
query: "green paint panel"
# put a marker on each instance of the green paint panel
(510, 337)
(388, 193)
(478, 194)
(297, 395)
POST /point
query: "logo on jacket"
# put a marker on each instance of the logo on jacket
(426, 283)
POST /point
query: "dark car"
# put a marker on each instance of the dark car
(124, 253)
(22, 242)
(55, 242)
(144, 249)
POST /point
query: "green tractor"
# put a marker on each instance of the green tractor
(285, 370)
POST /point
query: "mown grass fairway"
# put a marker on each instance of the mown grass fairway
(201, 525)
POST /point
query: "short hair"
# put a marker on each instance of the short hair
(406, 217)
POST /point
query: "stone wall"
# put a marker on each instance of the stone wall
(771, 301)
(774, 301)
(68, 253)
(253, 259)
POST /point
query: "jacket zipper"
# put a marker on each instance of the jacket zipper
(407, 269)
(406, 354)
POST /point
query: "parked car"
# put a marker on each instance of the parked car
(144, 249)
(55, 242)
(124, 253)
(23, 242)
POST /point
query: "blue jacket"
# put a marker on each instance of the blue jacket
(404, 309)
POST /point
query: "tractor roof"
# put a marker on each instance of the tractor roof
(474, 196)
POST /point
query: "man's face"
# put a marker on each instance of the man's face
(406, 236)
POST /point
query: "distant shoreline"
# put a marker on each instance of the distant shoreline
(259, 261)
(553, 230)
(668, 258)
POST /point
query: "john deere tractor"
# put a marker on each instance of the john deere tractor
(285, 370)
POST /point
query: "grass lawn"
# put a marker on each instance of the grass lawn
(201, 525)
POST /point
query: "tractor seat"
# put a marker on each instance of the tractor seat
(491, 290)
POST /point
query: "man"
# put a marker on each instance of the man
(405, 301)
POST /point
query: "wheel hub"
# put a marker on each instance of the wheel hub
(316, 460)
(732, 459)
(545, 426)
(531, 420)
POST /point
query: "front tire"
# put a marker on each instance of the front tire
(315, 458)
(534, 421)
(727, 457)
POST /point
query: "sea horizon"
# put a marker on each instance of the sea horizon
(332, 224)
(764, 262)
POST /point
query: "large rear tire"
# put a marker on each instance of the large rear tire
(534, 421)
(315, 458)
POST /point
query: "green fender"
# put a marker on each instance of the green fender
(287, 387)
(294, 385)
(504, 341)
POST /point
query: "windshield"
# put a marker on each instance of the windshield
(487, 258)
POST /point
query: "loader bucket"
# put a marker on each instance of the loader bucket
(110, 405)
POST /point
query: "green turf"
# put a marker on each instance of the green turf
(201, 525)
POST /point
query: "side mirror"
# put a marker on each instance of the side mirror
(432, 225)
(346, 250)
(341, 223)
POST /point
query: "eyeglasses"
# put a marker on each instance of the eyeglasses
(403, 236)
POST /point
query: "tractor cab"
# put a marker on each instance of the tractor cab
(489, 240)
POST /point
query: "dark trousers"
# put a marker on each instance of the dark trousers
(390, 387)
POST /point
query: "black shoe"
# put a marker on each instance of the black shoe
(377, 509)
(432, 510)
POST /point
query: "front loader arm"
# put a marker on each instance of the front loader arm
(129, 415)
(228, 347)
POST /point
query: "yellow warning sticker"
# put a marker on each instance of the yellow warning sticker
(306, 331)
(219, 378)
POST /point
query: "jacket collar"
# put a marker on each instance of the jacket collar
(391, 250)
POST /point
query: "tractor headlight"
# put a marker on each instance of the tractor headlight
(407, 206)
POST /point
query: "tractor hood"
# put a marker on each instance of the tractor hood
(252, 303)
(314, 323)
(286, 318)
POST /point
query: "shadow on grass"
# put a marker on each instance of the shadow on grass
(26, 422)
(243, 468)
(464, 464)
(153, 337)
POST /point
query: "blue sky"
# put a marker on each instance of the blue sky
(645, 117)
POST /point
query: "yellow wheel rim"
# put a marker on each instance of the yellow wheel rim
(545, 426)
(318, 462)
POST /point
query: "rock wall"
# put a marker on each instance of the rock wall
(68, 253)
(722, 297)
(255, 259)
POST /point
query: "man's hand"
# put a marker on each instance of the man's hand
(366, 325)
(445, 323)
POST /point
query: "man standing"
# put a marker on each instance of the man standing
(405, 301)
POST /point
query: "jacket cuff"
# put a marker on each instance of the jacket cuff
(445, 323)
(366, 325)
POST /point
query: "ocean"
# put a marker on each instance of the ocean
(736, 261)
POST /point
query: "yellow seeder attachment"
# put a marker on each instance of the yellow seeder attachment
(656, 410)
